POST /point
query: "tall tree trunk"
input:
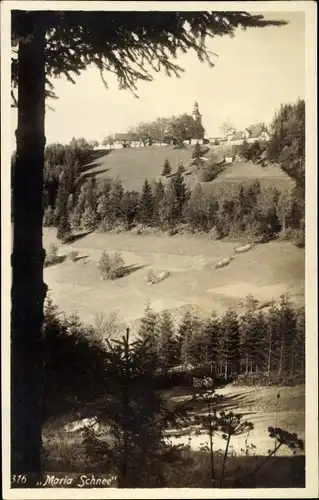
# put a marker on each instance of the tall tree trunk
(269, 355)
(28, 290)
(281, 356)
(211, 450)
(292, 362)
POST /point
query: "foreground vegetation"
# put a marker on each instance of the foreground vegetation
(120, 383)
(67, 453)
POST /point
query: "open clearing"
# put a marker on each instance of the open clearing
(266, 271)
(260, 406)
(133, 166)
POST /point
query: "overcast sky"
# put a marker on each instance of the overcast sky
(254, 72)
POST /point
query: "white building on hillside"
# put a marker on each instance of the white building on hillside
(257, 132)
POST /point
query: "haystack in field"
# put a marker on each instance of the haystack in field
(156, 277)
(243, 248)
(223, 262)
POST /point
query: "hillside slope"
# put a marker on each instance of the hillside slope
(132, 166)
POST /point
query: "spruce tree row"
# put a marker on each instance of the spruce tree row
(254, 342)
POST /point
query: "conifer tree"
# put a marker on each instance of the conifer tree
(64, 228)
(61, 202)
(62, 219)
(148, 329)
(287, 332)
(50, 310)
(75, 174)
(287, 142)
(115, 203)
(167, 169)
(103, 187)
(181, 191)
(185, 337)
(168, 208)
(136, 416)
(167, 344)
(103, 199)
(211, 332)
(89, 219)
(267, 211)
(229, 346)
(284, 342)
(285, 210)
(272, 340)
(129, 207)
(158, 196)
(252, 334)
(91, 194)
(197, 209)
(298, 348)
(198, 349)
(81, 200)
(69, 160)
(75, 219)
(102, 206)
(145, 207)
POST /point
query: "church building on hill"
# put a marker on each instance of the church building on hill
(200, 132)
(190, 127)
(197, 117)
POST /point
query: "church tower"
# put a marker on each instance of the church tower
(196, 114)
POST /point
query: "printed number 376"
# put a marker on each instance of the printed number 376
(19, 479)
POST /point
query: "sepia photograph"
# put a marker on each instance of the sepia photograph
(159, 329)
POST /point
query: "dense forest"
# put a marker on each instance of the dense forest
(256, 347)
(233, 344)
